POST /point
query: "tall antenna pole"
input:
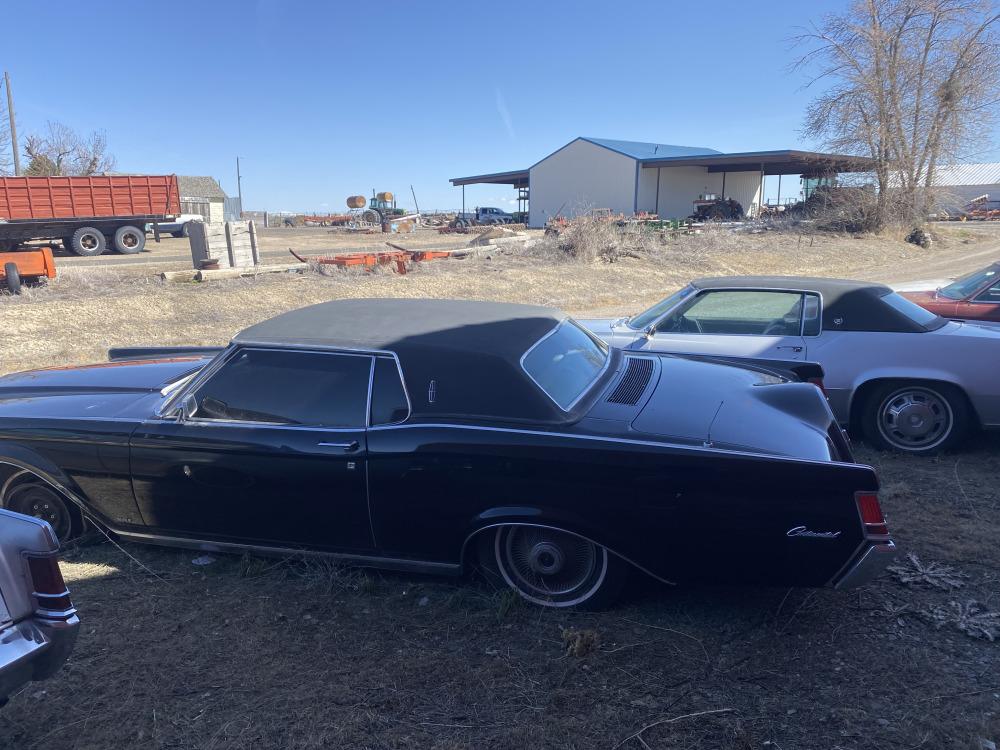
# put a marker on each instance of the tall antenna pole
(13, 125)
(239, 183)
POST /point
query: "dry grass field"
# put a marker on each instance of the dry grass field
(255, 653)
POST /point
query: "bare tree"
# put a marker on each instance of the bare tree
(61, 151)
(910, 84)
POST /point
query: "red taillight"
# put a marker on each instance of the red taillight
(50, 590)
(818, 382)
(871, 514)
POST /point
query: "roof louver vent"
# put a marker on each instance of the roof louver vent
(633, 383)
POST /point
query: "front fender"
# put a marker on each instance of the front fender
(12, 454)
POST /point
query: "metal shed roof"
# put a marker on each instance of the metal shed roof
(641, 151)
(954, 175)
(787, 161)
(517, 178)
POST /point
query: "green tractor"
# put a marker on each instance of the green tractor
(382, 208)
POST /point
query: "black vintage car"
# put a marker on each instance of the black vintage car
(429, 435)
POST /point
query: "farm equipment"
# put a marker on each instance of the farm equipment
(26, 267)
(713, 208)
(88, 214)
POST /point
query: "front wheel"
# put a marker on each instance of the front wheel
(555, 568)
(917, 418)
(41, 501)
(12, 277)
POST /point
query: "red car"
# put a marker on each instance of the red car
(972, 297)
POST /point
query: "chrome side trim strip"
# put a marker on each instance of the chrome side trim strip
(399, 563)
(619, 440)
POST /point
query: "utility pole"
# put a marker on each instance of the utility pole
(13, 125)
(239, 184)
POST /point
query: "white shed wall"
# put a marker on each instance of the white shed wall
(579, 177)
(681, 186)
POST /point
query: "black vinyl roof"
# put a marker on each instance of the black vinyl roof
(471, 350)
(847, 305)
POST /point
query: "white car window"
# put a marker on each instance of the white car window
(739, 312)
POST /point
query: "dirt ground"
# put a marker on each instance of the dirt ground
(255, 653)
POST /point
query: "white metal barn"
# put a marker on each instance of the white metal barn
(957, 184)
(630, 177)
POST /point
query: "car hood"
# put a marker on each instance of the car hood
(733, 408)
(106, 390)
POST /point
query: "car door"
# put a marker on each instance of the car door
(985, 305)
(271, 450)
(738, 322)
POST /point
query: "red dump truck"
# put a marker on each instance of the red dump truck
(87, 214)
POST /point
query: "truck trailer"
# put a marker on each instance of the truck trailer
(87, 214)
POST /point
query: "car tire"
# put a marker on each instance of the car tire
(129, 240)
(916, 417)
(39, 500)
(13, 278)
(88, 241)
(552, 568)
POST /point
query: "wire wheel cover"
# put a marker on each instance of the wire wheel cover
(549, 566)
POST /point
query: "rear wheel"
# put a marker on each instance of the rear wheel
(554, 568)
(41, 501)
(13, 278)
(88, 241)
(129, 240)
(916, 417)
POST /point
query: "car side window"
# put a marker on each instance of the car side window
(989, 295)
(389, 402)
(811, 311)
(289, 388)
(739, 312)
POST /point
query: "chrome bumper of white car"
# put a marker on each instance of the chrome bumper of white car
(34, 649)
(867, 566)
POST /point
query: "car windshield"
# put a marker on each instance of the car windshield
(963, 287)
(912, 310)
(645, 319)
(565, 362)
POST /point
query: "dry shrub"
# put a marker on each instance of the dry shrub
(588, 238)
(580, 642)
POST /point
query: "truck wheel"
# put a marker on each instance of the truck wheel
(129, 240)
(13, 278)
(88, 241)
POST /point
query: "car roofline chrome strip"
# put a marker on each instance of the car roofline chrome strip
(611, 439)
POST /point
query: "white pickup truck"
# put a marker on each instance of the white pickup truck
(38, 624)
(179, 226)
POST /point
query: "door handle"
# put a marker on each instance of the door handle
(793, 348)
(353, 445)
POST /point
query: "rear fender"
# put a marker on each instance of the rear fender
(495, 518)
(871, 378)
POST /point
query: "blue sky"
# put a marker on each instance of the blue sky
(324, 100)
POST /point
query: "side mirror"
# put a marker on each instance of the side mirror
(188, 407)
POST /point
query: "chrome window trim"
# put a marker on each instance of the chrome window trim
(746, 289)
(603, 345)
(402, 380)
(229, 352)
(315, 427)
(619, 440)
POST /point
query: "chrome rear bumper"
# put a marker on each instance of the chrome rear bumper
(33, 650)
(867, 565)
